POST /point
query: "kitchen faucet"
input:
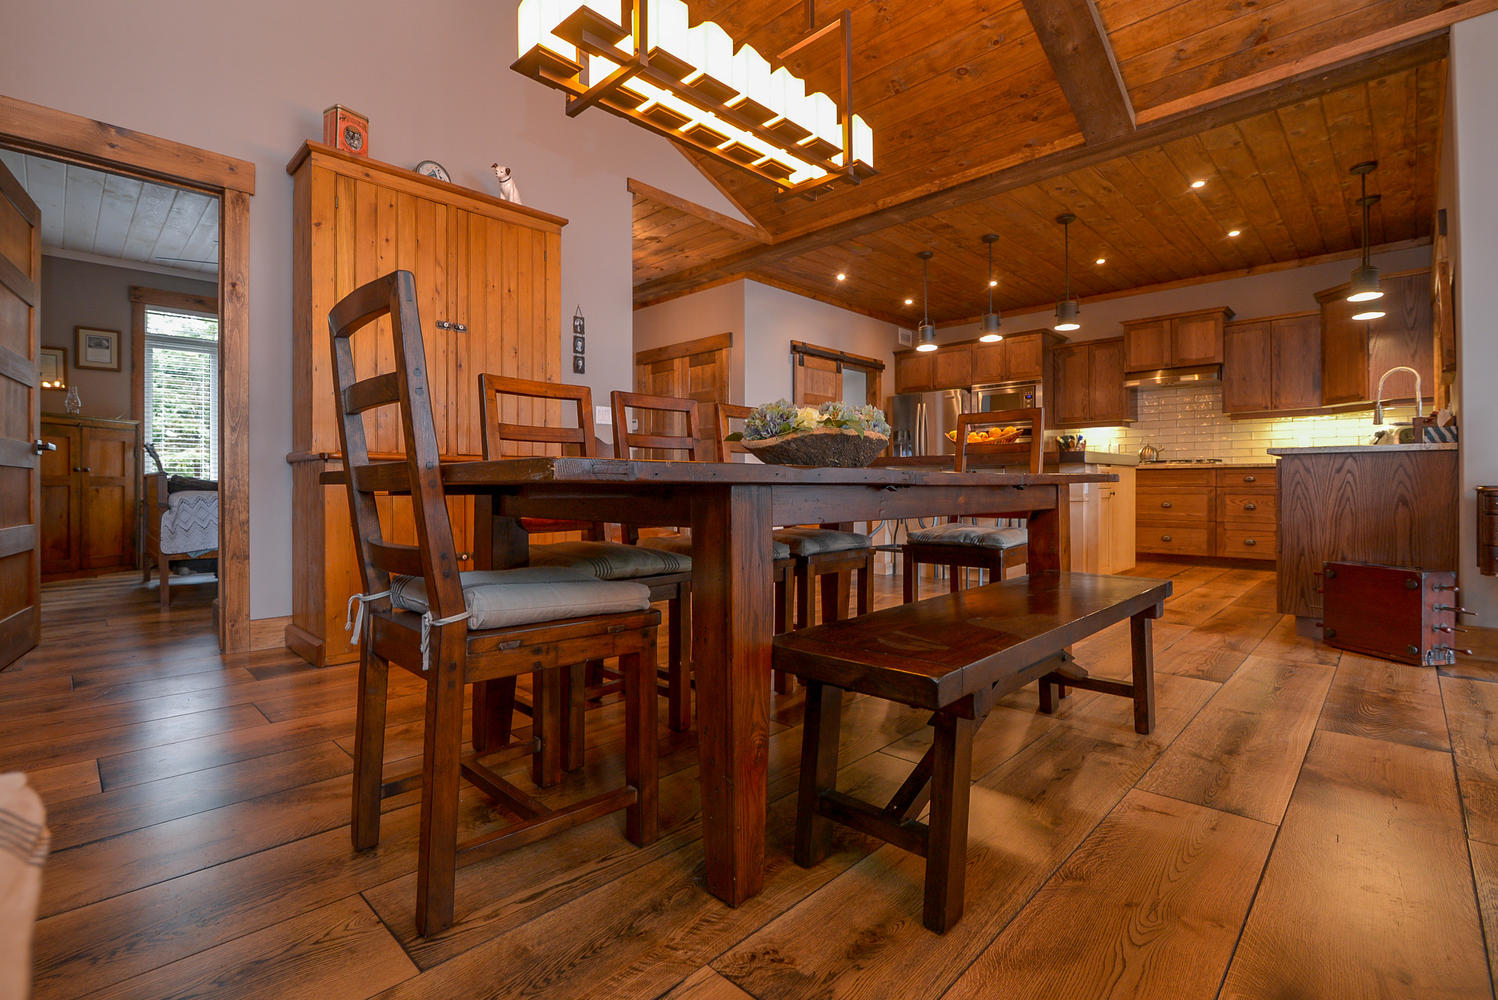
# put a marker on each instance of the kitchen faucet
(1378, 405)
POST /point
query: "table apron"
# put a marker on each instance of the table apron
(812, 503)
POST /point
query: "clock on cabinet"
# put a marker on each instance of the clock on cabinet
(434, 170)
(345, 129)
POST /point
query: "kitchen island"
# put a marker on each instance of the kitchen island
(1389, 504)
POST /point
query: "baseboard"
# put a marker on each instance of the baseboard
(268, 633)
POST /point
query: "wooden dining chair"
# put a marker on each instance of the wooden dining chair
(958, 545)
(450, 629)
(668, 574)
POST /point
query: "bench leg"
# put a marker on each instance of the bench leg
(678, 663)
(907, 573)
(1141, 637)
(819, 735)
(946, 847)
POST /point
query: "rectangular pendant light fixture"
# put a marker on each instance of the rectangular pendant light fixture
(641, 60)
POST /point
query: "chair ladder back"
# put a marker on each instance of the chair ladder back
(726, 412)
(1033, 416)
(434, 557)
(496, 431)
(625, 440)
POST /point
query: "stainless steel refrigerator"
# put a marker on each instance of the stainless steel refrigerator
(919, 421)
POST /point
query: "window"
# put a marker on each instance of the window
(181, 390)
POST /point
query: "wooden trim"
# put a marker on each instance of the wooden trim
(184, 301)
(410, 182)
(832, 300)
(1076, 44)
(268, 633)
(141, 297)
(643, 190)
(1251, 320)
(1419, 29)
(1336, 291)
(833, 354)
(46, 130)
(717, 342)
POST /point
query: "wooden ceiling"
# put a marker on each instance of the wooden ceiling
(996, 115)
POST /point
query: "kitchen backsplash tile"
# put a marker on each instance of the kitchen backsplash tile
(1186, 421)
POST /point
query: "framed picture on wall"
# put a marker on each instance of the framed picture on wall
(97, 348)
(52, 365)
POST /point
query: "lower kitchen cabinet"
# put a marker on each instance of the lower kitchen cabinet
(1102, 521)
(1221, 511)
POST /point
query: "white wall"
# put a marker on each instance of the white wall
(251, 80)
(1273, 294)
(776, 317)
(1473, 237)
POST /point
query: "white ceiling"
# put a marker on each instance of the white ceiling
(93, 215)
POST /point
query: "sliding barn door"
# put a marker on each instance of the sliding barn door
(818, 380)
(20, 420)
(696, 369)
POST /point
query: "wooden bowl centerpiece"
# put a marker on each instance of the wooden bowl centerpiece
(834, 434)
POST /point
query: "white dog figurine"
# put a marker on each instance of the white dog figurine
(507, 189)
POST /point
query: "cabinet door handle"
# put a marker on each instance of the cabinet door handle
(1250, 506)
(1250, 479)
(464, 556)
(40, 446)
(460, 328)
(1164, 538)
(77, 468)
(1166, 504)
(443, 324)
(1249, 541)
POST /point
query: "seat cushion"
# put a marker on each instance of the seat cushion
(810, 541)
(612, 560)
(682, 544)
(972, 534)
(509, 597)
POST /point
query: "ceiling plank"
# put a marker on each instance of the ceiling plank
(1075, 42)
(733, 225)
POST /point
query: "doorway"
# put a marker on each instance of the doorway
(72, 139)
(695, 369)
(824, 374)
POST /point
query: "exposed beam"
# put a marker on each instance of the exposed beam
(1076, 43)
(1307, 86)
(655, 194)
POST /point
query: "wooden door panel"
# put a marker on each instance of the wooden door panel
(1196, 340)
(1405, 336)
(1296, 363)
(106, 529)
(954, 368)
(818, 381)
(1147, 347)
(915, 371)
(20, 415)
(1024, 357)
(1071, 385)
(1107, 399)
(1247, 353)
(988, 363)
(1344, 353)
(108, 496)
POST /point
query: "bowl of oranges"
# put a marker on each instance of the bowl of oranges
(989, 435)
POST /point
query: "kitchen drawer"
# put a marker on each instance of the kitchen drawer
(1174, 539)
(1173, 505)
(1246, 506)
(1262, 477)
(1237, 542)
(1176, 477)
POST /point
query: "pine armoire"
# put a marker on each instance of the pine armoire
(488, 273)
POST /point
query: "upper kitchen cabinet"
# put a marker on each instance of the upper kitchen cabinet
(915, 371)
(1355, 354)
(1021, 357)
(1090, 386)
(1272, 365)
(954, 366)
(1178, 341)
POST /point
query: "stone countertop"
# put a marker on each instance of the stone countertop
(1144, 466)
(1362, 449)
(1046, 458)
(1090, 457)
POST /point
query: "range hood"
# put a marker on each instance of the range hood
(1198, 375)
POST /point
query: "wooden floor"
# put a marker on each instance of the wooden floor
(1302, 823)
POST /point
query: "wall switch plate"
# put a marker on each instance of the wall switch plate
(603, 415)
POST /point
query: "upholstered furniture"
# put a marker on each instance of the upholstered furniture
(180, 524)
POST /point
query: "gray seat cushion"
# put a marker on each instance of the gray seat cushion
(810, 541)
(611, 560)
(682, 544)
(972, 534)
(509, 597)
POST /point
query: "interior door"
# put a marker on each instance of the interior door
(818, 380)
(696, 369)
(20, 420)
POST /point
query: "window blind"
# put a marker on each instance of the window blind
(181, 391)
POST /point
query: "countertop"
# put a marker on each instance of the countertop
(1046, 458)
(1143, 466)
(1360, 449)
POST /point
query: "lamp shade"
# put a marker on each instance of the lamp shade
(1068, 312)
(925, 337)
(989, 327)
(1364, 286)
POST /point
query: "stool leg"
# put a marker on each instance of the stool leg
(493, 712)
(819, 734)
(1140, 635)
(835, 595)
(803, 593)
(866, 586)
(437, 844)
(369, 749)
(574, 704)
(907, 573)
(954, 578)
(546, 720)
(783, 682)
(678, 669)
(946, 847)
(641, 820)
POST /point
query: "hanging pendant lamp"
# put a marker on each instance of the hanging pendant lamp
(1068, 310)
(989, 325)
(926, 334)
(1364, 286)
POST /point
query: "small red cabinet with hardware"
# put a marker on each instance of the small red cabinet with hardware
(1391, 612)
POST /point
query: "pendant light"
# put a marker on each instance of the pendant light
(1364, 286)
(989, 325)
(1068, 310)
(926, 335)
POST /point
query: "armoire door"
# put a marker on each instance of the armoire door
(107, 482)
(61, 500)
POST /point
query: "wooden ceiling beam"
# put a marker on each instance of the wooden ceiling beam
(1076, 43)
(1316, 83)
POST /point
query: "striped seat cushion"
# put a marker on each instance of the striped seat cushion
(811, 541)
(972, 534)
(682, 544)
(526, 596)
(611, 560)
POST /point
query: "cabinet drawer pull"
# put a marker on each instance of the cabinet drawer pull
(1250, 479)
(1249, 541)
(1164, 538)
(1166, 504)
(1250, 506)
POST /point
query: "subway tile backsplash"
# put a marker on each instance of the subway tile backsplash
(1186, 421)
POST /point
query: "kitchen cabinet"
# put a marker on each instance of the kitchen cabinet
(1221, 511)
(915, 371)
(1272, 364)
(1102, 520)
(1178, 341)
(1021, 357)
(954, 367)
(1354, 354)
(1090, 388)
(1017, 358)
(89, 486)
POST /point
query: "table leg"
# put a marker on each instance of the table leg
(734, 618)
(1050, 531)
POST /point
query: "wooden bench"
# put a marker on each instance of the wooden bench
(956, 655)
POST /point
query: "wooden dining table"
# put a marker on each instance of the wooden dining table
(732, 509)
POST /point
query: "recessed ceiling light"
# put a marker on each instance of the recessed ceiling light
(1198, 183)
(1234, 233)
(1101, 261)
(993, 282)
(910, 302)
(841, 276)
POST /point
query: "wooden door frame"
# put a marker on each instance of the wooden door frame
(33, 128)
